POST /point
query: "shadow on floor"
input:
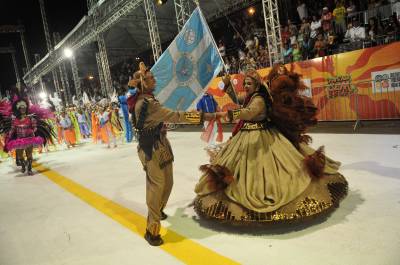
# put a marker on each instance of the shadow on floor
(197, 228)
(375, 168)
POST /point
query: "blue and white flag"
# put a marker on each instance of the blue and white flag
(186, 68)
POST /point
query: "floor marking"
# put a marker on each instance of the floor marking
(175, 244)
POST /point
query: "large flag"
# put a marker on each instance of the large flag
(186, 68)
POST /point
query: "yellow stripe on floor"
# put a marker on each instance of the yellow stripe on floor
(175, 244)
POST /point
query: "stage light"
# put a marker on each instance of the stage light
(90, 77)
(161, 2)
(68, 52)
(42, 95)
(251, 11)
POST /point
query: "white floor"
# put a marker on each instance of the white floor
(41, 224)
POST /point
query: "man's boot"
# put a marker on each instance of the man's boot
(18, 161)
(153, 240)
(22, 161)
(163, 215)
(30, 173)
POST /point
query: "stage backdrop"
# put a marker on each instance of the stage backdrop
(363, 83)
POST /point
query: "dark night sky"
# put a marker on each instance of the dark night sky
(62, 16)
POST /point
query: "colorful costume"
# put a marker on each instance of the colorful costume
(75, 125)
(68, 130)
(106, 130)
(127, 124)
(266, 173)
(25, 129)
(83, 127)
(154, 149)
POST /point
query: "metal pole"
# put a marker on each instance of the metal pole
(25, 49)
(273, 30)
(182, 12)
(49, 45)
(66, 79)
(54, 74)
(45, 26)
(75, 75)
(153, 29)
(105, 66)
(101, 76)
(63, 73)
(15, 67)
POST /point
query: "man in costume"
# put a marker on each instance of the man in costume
(154, 150)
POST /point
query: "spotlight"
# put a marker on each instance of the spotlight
(42, 95)
(90, 77)
(161, 2)
(251, 11)
(68, 52)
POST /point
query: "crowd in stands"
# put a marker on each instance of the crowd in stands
(318, 28)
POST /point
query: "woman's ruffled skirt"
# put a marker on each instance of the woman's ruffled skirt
(267, 182)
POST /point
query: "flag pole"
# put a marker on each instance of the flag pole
(213, 40)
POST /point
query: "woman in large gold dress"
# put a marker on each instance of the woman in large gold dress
(267, 173)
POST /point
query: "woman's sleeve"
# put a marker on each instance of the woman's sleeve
(255, 108)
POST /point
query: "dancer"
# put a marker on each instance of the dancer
(25, 129)
(106, 130)
(266, 173)
(124, 107)
(68, 130)
(83, 127)
(154, 150)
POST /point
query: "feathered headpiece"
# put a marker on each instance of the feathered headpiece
(20, 99)
(138, 77)
(137, 81)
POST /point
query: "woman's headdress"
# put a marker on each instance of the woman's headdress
(253, 74)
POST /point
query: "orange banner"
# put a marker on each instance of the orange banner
(362, 84)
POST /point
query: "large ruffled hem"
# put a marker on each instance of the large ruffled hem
(320, 198)
(23, 143)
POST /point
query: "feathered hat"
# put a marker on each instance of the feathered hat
(20, 99)
(138, 77)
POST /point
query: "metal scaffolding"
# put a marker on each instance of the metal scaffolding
(103, 14)
(75, 76)
(49, 48)
(104, 65)
(182, 12)
(45, 26)
(37, 59)
(90, 3)
(62, 71)
(66, 80)
(101, 76)
(153, 29)
(85, 32)
(273, 30)
(15, 67)
(24, 48)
